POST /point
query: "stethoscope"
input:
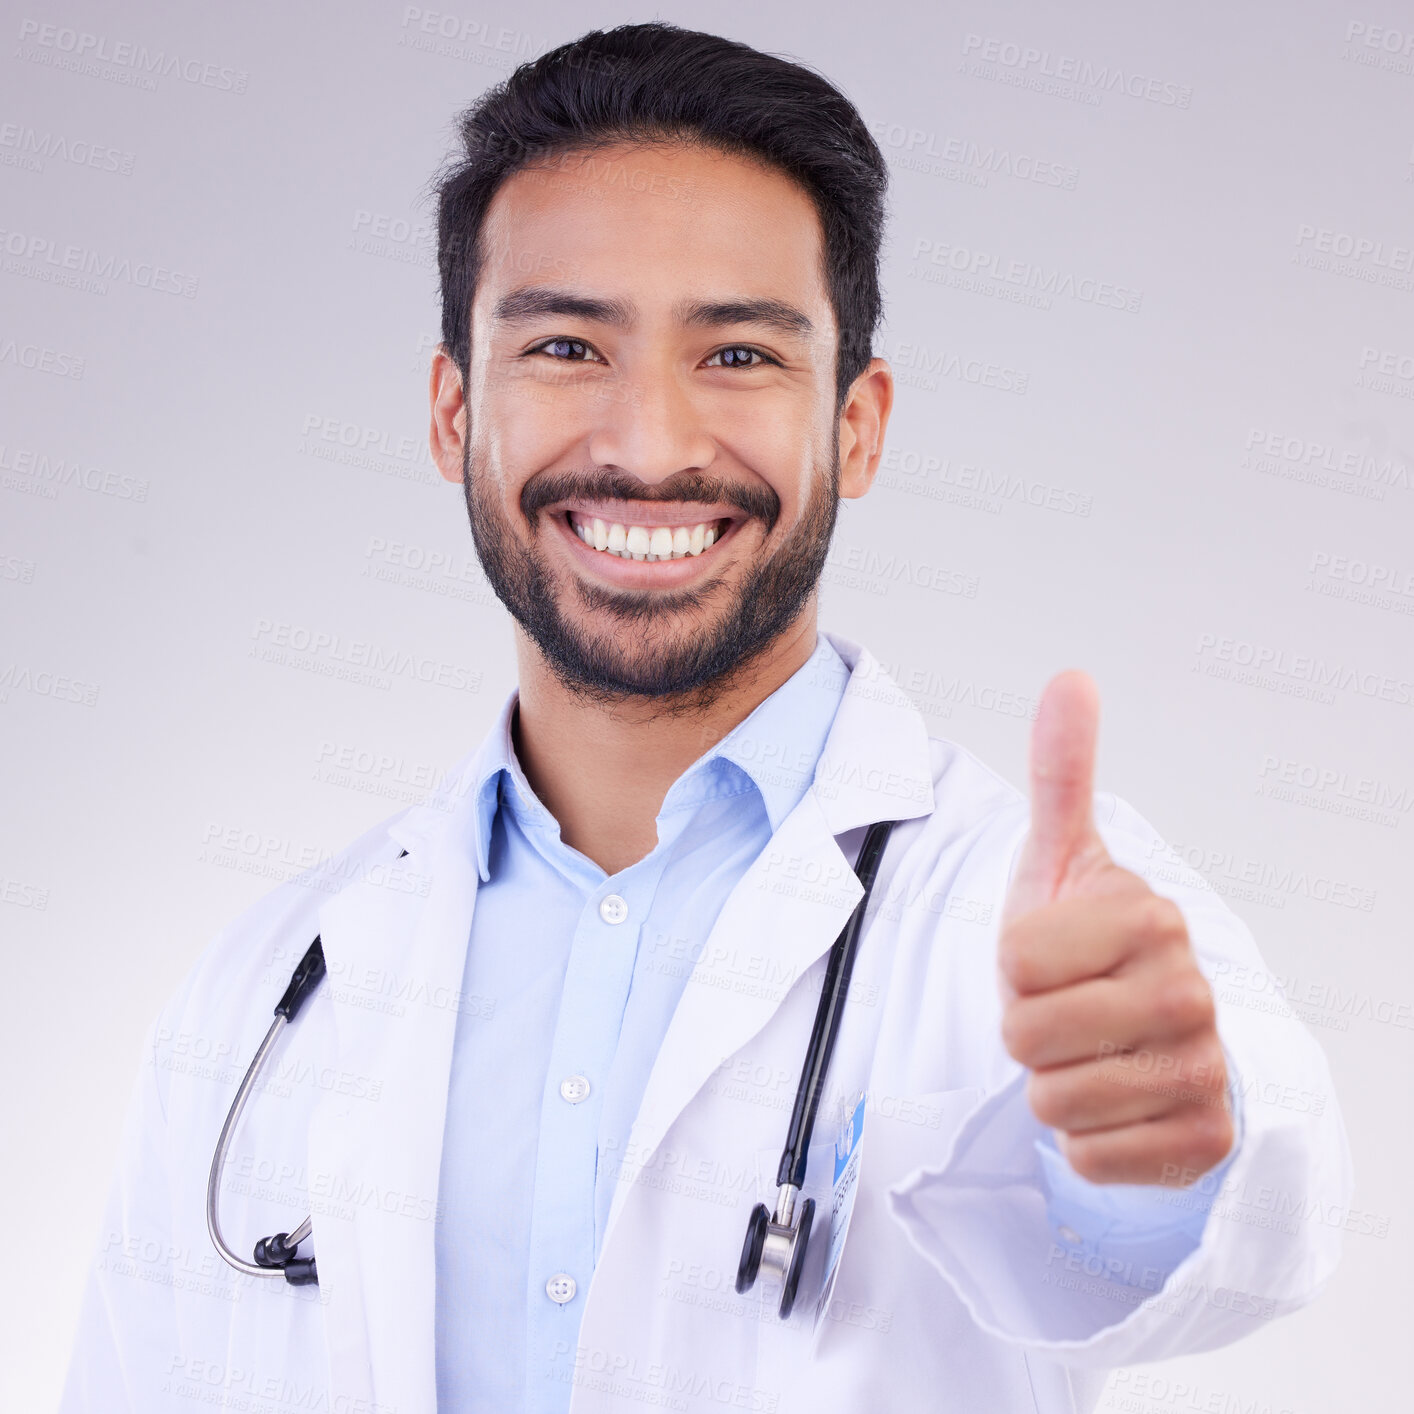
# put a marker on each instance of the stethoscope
(777, 1242)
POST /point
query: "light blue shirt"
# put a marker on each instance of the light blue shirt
(577, 974)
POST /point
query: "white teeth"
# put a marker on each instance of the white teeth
(640, 542)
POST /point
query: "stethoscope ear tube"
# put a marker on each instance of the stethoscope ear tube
(303, 980)
(779, 1243)
(274, 1256)
(279, 1252)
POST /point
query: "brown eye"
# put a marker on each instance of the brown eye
(567, 350)
(739, 356)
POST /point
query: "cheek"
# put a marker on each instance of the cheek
(516, 434)
(789, 455)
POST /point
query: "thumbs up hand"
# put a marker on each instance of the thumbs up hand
(1103, 1000)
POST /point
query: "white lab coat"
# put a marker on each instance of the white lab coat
(951, 1295)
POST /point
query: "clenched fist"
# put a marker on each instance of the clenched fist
(1103, 1000)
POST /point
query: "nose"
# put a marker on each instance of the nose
(651, 427)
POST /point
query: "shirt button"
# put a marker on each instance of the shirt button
(613, 909)
(560, 1288)
(574, 1089)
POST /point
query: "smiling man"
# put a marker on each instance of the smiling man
(653, 454)
(561, 1018)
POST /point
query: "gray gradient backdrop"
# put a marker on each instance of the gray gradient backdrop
(1172, 445)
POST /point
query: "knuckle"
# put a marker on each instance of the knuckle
(1210, 1135)
(1018, 1034)
(1088, 1158)
(1186, 1001)
(1205, 1009)
(1161, 919)
(1129, 885)
(1209, 1067)
(1046, 1099)
(1016, 956)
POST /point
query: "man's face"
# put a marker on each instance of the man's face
(651, 445)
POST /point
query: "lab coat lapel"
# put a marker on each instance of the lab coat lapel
(770, 930)
(395, 944)
(790, 905)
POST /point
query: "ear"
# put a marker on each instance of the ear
(447, 435)
(863, 420)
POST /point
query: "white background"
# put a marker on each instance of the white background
(191, 496)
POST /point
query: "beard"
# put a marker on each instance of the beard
(607, 653)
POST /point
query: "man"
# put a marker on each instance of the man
(548, 1077)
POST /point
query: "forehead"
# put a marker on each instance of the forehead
(655, 223)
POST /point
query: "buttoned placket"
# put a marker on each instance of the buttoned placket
(598, 977)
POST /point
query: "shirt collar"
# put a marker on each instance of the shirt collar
(779, 744)
(775, 748)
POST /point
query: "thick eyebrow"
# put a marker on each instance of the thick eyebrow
(538, 301)
(773, 313)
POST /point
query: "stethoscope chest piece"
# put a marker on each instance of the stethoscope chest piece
(778, 1246)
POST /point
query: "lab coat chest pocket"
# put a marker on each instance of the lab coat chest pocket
(879, 1270)
(887, 1302)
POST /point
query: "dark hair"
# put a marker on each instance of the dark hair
(658, 82)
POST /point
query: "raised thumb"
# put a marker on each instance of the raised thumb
(1062, 783)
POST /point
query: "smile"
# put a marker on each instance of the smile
(646, 542)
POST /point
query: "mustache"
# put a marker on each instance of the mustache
(606, 484)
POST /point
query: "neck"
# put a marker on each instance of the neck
(602, 769)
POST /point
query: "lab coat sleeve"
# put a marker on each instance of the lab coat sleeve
(984, 1216)
(1112, 1221)
(127, 1336)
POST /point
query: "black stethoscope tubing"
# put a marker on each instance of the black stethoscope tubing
(835, 988)
(779, 1242)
